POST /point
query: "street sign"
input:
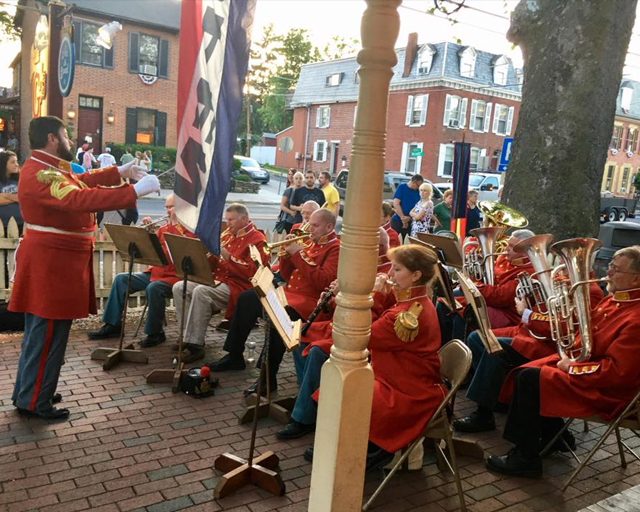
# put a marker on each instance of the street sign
(66, 63)
(416, 152)
(285, 144)
(505, 156)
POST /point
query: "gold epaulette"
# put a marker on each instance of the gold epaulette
(583, 369)
(406, 324)
(59, 186)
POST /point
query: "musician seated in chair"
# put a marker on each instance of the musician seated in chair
(385, 222)
(404, 344)
(498, 297)
(308, 270)
(543, 392)
(233, 271)
(156, 281)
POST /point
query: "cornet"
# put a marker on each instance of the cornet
(156, 223)
(283, 243)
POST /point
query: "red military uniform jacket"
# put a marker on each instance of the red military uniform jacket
(54, 262)
(384, 264)
(407, 388)
(604, 385)
(309, 271)
(237, 272)
(394, 239)
(167, 273)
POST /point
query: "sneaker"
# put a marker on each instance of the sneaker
(106, 331)
(192, 353)
(227, 363)
(153, 340)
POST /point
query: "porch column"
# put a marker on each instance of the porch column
(346, 391)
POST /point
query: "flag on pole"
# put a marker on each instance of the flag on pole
(461, 162)
(214, 54)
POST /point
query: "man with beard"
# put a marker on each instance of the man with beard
(54, 269)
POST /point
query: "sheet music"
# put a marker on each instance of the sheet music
(281, 314)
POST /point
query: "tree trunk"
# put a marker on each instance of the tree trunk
(574, 52)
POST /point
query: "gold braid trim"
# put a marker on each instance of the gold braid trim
(60, 187)
(406, 324)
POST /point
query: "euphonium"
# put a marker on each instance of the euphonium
(571, 304)
(536, 288)
(487, 238)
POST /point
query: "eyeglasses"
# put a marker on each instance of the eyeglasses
(611, 268)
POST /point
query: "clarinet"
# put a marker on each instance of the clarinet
(324, 300)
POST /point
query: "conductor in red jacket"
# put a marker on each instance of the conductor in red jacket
(546, 390)
(54, 268)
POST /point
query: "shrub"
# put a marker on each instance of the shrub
(242, 177)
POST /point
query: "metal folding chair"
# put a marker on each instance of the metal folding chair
(455, 361)
(144, 312)
(629, 418)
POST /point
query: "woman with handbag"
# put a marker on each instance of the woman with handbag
(286, 219)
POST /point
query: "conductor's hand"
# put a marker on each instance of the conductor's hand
(147, 185)
(521, 305)
(564, 364)
(132, 171)
(291, 249)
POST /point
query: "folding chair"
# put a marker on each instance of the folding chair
(629, 418)
(144, 312)
(455, 361)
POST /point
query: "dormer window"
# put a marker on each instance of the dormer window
(468, 63)
(425, 59)
(625, 100)
(334, 80)
(501, 71)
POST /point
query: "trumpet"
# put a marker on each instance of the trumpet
(157, 221)
(283, 243)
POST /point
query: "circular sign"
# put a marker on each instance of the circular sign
(66, 65)
(285, 144)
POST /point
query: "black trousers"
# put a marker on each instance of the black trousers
(248, 310)
(403, 232)
(525, 426)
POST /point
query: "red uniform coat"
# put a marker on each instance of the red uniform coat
(54, 271)
(309, 271)
(407, 388)
(167, 273)
(604, 385)
(394, 239)
(237, 272)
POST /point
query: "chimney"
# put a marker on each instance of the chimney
(410, 53)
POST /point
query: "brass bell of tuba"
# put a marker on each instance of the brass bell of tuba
(487, 238)
(536, 288)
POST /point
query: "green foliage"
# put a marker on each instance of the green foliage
(636, 182)
(163, 158)
(237, 165)
(242, 177)
(7, 28)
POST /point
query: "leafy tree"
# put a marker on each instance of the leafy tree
(7, 29)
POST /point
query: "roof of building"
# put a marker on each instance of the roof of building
(633, 110)
(312, 88)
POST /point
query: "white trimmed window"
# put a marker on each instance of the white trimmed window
(425, 59)
(480, 116)
(625, 100)
(411, 157)
(445, 160)
(477, 159)
(501, 71)
(455, 112)
(632, 140)
(320, 151)
(624, 184)
(468, 63)
(323, 116)
(417, 110)
(503, 119)
(334, 80)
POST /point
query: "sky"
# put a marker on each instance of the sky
(327, 18)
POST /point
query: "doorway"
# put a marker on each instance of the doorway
(333, 161)
(90, 122)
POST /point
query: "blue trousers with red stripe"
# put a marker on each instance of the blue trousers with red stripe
(41, 357)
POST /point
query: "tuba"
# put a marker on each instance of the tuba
(536, 288)
(497, 214)
(479, 260)
(570, 304)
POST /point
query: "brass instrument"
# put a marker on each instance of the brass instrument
(283, 243)
(570, 304)
(156, 223)
(479, 261)
(536, 288)
(302, 230)
(497, 214)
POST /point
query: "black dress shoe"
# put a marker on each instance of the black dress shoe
(378, 459)
(559, 445)
(515, 464)
(56, 398)
(223, 326)
(475, 423)
(227, 363)
(51, 414)
(153, 340)
(106, 331)
(253, 389)
(308, 454)
(294, 430)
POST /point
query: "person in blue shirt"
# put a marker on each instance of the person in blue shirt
(405, 198)
(473, 212)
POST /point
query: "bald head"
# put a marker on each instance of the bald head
(307, 209)
(383, 245)
(321, 223)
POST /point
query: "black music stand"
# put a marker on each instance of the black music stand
(190, 259)
(136, 245)
(448, 248)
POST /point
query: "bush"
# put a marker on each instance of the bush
(242, 177)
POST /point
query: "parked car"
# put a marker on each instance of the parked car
(251, 168)
(389, 186)
(485, 183)
(617, 208)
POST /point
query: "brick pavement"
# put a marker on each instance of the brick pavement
(132, 446)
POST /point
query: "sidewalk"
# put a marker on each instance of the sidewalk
(263, 197)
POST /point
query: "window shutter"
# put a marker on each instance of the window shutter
(108, 57)
(355, 113)
(328, 118)
(133, 52)
(463, 112)
(163, 69)
(403, 159)
(324, 151)
(407, 119)
(131, 126)
(472, 117)
(510, 120)
(447, 111)
(487, 118)
(161, 129)
(441, 156)
(77, 39)
(425, 105)
(318, 117)
(315, 150)
(496, 117)
(419, 158)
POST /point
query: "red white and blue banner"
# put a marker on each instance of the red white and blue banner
(461, 166)
(214, 54)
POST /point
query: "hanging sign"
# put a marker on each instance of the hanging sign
(66, 62)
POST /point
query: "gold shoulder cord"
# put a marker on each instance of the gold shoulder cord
(406, 324)
(60, 187)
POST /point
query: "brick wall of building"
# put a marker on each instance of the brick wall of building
(623, 159)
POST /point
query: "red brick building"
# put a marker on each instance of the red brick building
(439, 92)
(124, 95)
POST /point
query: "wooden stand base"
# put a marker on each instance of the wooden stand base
(165, 376)
(113, 356)
(238, 472)
(279, 410)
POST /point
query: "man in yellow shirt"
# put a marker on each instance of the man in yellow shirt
(331, 195)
